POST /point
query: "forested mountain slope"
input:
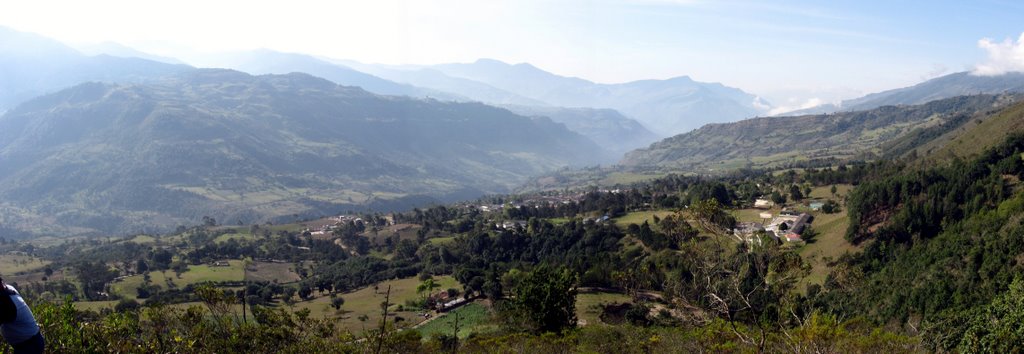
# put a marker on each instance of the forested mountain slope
(942, 251)
(127, 157)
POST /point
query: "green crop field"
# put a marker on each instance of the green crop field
(473, 318)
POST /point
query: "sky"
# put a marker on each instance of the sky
(793, 53)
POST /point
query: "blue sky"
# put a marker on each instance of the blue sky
(790, 52)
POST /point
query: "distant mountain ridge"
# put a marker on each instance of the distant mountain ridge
(265, 61)
(952, 85)
(129, 157)
(665, 106)
(31, 65)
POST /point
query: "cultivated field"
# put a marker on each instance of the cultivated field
(473, 318)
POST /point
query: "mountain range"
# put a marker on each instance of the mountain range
(32, 65)
(102, 157)
(666, 107)
(430, 83)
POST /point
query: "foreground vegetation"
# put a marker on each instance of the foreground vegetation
(903, 259)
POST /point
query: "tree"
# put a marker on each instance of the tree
(544, 301)
(427, 286)
(305, 291)
(778, 198)
(794, 193)
(337, 302)
(141, 266)
(833, 190)
(209, 221)
(406, 249)
(676, 228)
(710, 216)
(126, 305)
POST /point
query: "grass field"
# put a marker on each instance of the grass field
(588, 310)
(239, 236)
(441, 240)
(141, 239)
(404, 232)
(753, 215)
(195, 274)
(366, 301)
(825, 192)
(11, 264)
(638, 217)
(558, 221)
(473, 318)
(266, 271)
(828, 244)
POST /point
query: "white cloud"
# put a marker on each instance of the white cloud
(1003, 57)
(795, 105)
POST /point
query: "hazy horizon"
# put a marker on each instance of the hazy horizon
(797, 53)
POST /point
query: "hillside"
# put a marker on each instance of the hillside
(32, 65)
(765, 142)
(952, 85)
(957, 84)
(606, 127)
(962, 137)
(666, 107)
(127, 157)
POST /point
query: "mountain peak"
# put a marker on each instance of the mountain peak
(489, 61)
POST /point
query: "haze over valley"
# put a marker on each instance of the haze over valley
(653, 176)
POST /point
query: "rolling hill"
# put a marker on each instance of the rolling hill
(131, 157)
